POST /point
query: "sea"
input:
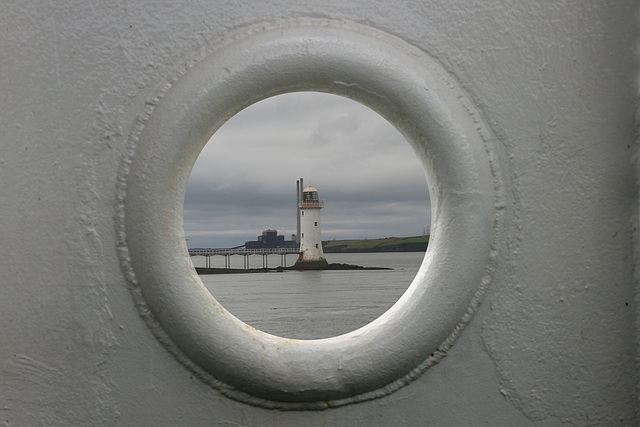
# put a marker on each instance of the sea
(313, 304)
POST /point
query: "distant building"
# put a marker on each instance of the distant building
(268, 239)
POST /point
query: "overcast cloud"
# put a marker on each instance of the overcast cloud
(245, 179)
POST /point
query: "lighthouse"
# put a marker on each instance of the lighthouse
(311, 254)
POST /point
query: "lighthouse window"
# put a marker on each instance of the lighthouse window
(302, 213)
(316, 223)
(302, 234)
(316, 245)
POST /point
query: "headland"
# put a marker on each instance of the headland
(387, 244)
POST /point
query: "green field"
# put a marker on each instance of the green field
(389, 244)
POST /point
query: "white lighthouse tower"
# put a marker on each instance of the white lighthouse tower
(311, 254)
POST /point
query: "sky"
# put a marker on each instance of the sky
(244, 181)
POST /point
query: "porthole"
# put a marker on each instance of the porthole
(404, 85)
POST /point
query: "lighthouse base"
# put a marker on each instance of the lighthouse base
(317, 264)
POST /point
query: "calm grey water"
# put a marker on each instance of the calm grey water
(314, 304)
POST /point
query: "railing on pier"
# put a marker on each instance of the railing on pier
(227, 253)
(265, 251)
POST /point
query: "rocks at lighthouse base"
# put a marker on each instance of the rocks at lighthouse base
(304, 267)
(319, 264)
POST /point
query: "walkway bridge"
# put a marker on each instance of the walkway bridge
(227, 253)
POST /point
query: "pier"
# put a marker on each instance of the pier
(227, 253)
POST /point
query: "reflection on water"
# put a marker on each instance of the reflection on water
(315, 304)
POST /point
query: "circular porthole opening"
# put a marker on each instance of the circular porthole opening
(241, 214)
(410, 90)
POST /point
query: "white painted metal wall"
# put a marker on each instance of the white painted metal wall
(554, 338)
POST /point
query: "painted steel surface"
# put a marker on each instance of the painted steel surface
(554, 340)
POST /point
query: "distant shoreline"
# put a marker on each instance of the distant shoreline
(385, 244)
(388, 244)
